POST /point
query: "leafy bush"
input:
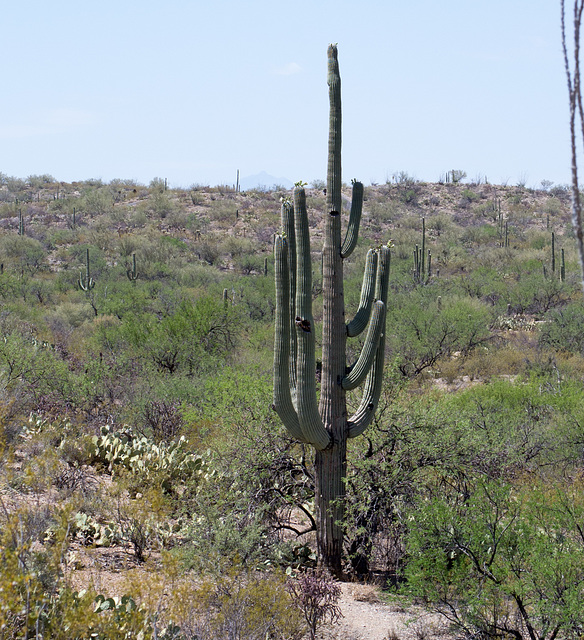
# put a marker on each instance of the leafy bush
(502, 560)
(562, 329)
(421, 332)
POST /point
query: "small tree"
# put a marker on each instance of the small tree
(502, 561)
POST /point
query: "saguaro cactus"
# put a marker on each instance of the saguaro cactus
(86, 283)
(325, 423)
(131, 272)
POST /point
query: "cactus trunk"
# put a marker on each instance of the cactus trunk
(326, 426)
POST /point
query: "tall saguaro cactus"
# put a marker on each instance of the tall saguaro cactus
(325, 423)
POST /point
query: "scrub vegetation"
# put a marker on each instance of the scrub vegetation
(148, 489)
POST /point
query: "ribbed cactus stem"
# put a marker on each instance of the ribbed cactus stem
(283, 402)
(362, 418)
(287, 215)
(553, 252)
(423, 251)
(359, 322)
(416, 264)
(354, 220)
(86, 283)
(306, 400)
(361, 368)
(321, 419)
(563, 268)
(334, 175)
(131, 272)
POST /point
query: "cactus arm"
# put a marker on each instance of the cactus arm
(306, 401)
(287, 215)
(283, 404)
(363, 417)
(359, 322)
(352, 236)
(361, 368)
(374, 382)
(382, 282)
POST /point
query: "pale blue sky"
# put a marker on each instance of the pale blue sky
(192, 91)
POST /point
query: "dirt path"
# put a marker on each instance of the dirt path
(366, 617)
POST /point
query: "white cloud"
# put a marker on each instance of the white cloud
(288, 69)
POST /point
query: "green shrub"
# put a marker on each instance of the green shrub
(502, 559)
(421, 331)
(562, 329)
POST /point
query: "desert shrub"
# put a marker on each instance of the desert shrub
(200, 276)
(164, 419)
(70, 314)
(190, 339)
(248, 264)
(502, 559)
(161, 206)
(562, 329)
(230, 603)
(36, 598)
(421, 332)
(467, 197)
(209, 250)
(22, 253)
(31, 368)
(533, 293)
(261, 493)
(485, 234)
(97, 201)
(383, 212)
(223, 211)
(316, 594)
(39, 181)
(422, 447)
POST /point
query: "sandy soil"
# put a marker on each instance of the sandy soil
(366, 617)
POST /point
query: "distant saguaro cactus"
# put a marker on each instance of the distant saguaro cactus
(86, 283)
(325, 424)
(422, 261)
(131, 272)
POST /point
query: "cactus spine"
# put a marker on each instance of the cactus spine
(325, 423)
(86, 283)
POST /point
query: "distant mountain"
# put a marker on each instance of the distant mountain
(264, 180)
